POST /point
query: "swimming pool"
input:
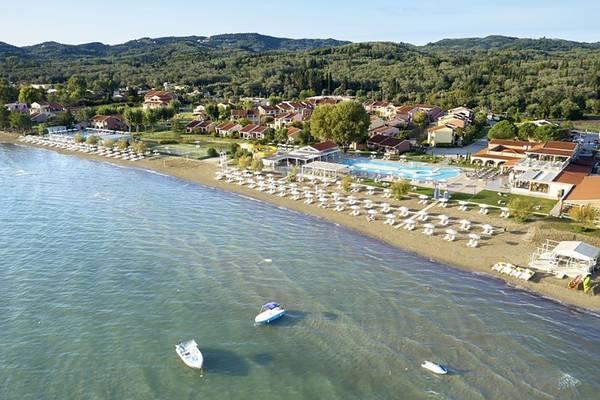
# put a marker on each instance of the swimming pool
(407, 170)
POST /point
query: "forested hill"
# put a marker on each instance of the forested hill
(246, 42)
(544, 77)
(496, 42)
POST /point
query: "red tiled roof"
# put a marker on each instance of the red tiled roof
(248, 128)
(324, 146)
(587, 189)
(515, 143)
(574, 174)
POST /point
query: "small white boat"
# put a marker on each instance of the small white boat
(269, 312)
(190, 354)
(435, 368)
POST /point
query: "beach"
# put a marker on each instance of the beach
(515, 242)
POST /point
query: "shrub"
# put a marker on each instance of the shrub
(108, 142)
(400, 188)
(212, 152)
(346, 183)
(521, 208)
(257, 165)
(92, 140)
(122, 144)
(244, 161)
(585, 215)
(79, 138)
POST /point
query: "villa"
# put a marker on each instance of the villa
(227, 128)
(252, 116)
(325, 151)
(388, 144)
(47, 108)
(293, 133)
(17, 107)
(158, 99)
(253, 131)
(384, 130)
(108, 122)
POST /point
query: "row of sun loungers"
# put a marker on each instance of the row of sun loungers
(396, 217)
(511, 270)
(67, 143)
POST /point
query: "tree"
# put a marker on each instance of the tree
(84, 114)
(212, 111)
(548, 132)
(521, 208)
(503, 130)
(4, 117)
(281, 135)
(570, 110)
(292, 174)
(274, 100)
(212, 152)
(343, 123)
(133, 117)
(64, 119)
(19, 121)
(420, 119)
(150, 117)
(527, 131)
(8, 93)
(29, 94)
(400, 188)
(585, 215)
(76, 88)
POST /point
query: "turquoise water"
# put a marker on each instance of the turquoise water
(406, 170)
(104, 269)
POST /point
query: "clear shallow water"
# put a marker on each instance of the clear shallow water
(103, 269)
(406, 170)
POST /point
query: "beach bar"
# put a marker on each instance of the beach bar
(324, 169)
(568, 258)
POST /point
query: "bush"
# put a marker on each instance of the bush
(92, 140)
(212, 152)
(399, 189)
(346, 183)
(521, 208)
(585, 215)
(79, 138)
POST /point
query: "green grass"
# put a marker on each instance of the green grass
(566, 225)
(189, 150)
(490, 197)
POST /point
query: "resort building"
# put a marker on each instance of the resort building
(586, 192)
(325, 151)
(252, 116)
(293, 133)
(440, 134)
(407, 113)
(108, 122)
(227, 128)
(253, 131)
(384, 130)
(47, 108)
(17, 107)
(500, 152)
(158, 99)
(388, 144)
(282, 120)
(268, 110)
(384, 109)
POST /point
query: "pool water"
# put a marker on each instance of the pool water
(407, 170)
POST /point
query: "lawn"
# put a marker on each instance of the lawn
(567, 225)
(490, 197)
(189, 150)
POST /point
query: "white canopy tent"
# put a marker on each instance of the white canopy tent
(569, 258)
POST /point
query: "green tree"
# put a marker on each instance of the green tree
(29, 94)
(64, 119)
(548, 132)
(84, 114)
(400, 189)
(150, 118)
(570, 110)
(76, 89)
(212, 111)
(503, 130)
(133, 117)
(8, 93)
(526, 131)
(19, 121)
(79, 138)
(343, 123)
(212, 152)
(4, 117)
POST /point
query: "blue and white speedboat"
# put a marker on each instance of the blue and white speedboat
(269, 312)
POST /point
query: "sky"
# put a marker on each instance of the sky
(417, 22)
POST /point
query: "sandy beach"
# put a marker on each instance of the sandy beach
(514, 243)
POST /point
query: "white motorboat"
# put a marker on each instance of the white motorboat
(190, 354)
(435, 368)
(269, 312)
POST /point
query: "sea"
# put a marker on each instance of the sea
(104, 269)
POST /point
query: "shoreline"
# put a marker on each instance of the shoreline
(512, 245)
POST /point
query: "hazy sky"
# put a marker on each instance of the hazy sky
(415, 21)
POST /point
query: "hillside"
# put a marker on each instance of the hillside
(543, 77)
